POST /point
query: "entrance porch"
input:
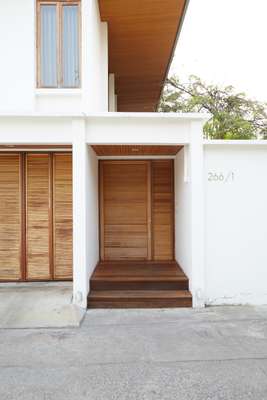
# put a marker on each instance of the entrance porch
(175, 235)
(43, 198)
(137, 267)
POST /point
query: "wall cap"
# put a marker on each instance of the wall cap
(235, 142)
(117, 115)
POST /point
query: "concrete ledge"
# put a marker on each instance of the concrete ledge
(38, 305)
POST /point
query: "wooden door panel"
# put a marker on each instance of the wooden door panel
(125, 212)
(125, 241)
(125, 253)
(10, 217)
(38, 216)
(162, 210)
(124, 234)
(125, 193)
(62, 215)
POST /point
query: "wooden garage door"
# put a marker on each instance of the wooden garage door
(36, 212)
(136, 210)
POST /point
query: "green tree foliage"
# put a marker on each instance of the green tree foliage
(232, 115)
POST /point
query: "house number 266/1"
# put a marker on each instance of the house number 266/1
(221, 177)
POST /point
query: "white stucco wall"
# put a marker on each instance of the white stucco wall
(92, 216)
(36, 130)
(85, 213)
(17, 44)
(183, 212)
(18, 63)
(236, 223)
(94, 59)
(142, 128)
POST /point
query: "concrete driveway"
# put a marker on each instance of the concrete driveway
(214, 353)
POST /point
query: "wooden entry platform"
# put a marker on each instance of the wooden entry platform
(138, 284)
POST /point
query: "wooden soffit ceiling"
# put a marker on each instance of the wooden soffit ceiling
(135, 150)
(142, 37)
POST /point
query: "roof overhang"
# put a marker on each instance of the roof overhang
(142, 39)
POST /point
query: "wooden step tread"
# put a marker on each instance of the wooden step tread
(139, 299)
(138, 294)
(139, 278)
(139, 283)
(140, 269)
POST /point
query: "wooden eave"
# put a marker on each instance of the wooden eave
(142, 38)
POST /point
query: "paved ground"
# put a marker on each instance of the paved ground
(43, 305)
(215, 353)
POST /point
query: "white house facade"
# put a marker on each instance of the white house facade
(96, 187)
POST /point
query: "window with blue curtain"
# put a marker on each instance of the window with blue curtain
(59, 54)
(70, 47)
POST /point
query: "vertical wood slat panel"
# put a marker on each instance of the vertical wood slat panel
(37, 218)
(62, 215)
(149, 213)
(162, 210)
(101, 211)
(10, 217)
(23, 215)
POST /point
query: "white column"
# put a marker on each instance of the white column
(197, 283)
(94, 63)
(80, 161)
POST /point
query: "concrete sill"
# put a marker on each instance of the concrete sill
(58, 92)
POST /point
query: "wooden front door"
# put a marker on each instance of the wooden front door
(136, 210)
(35, 216)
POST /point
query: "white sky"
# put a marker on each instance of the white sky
(225, 42)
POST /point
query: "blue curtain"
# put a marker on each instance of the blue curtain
(48, 46)
(70, 47)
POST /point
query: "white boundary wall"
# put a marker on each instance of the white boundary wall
(220, 204)
(235, 179)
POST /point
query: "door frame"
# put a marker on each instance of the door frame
(148, 162)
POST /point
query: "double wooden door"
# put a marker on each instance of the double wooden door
(35, 216)
(136, 210)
